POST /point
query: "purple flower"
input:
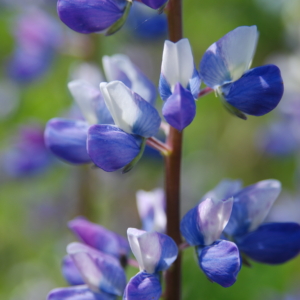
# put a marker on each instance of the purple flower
(179, 84)
(37, 39)
(89, 16)
(155, 252)
(151, 208)
(202, 227)
(224, 68)
(28, 154)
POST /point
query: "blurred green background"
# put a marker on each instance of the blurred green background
(34, 211)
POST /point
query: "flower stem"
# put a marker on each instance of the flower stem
(172, 172)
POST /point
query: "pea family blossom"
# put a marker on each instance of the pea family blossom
(179, 84)
(155, 252)
(225, 68)
(99, 276)
(68, 139)
(98, 16)
(202, 227)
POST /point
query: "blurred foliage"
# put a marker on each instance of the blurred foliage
(34, 211)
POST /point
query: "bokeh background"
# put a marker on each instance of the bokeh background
(38, 199)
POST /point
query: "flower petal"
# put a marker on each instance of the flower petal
(180, 108)
(155, 4)
(257, 92)
(90, 15)
(143, 286)
(220, 262)
(101, 272)
(224, 190)
(194, 84)
(70, 271)
(272, 243)
(110, 148)
(177, 63)
(154, 251)
(130, 112)
(203, 224)
(228, 58)
(251, 206)
(67, 139)
(90, 102)
(164, 88)
(99, 237)
(119, 67)
(81, 292)
(151, 208)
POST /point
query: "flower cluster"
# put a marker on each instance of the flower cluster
(227, 226)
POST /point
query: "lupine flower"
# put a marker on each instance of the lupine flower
(144, 23)
(102, 275)
(179, 84)
(28, 154)
(151, 208)
(202, 227)
(99, 237)
(68, 138)
(37, 39)
(155, 252)
(114, 147)
(225, 68)
(270, 243)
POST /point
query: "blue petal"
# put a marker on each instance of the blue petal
(67, 139)
(90, 16)
(143, 286)
(225, 189)
(70, 271)
(99, 237)
(180, 108)
(148, 121)
(251, 206)
(110, 148)
(155, 4)
(164, 88)
(78, 293)
(220, 262)
(272, 243)
(194, 84)
(189, 228)
(257, 92)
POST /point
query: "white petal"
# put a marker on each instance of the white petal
(139, 83)
(213, 217)
(85, 94)
(177, 63)
(133, 235)
(238, 48)
(121, 104)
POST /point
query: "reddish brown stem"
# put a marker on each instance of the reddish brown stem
(158, 145)
(172, 175)
(205, 91)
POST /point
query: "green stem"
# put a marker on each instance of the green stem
(172, 173)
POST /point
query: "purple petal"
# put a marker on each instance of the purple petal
(70, 271)
(155, 4)
(220, 262)
(154, 251)
(257, 92)
(204, 224)
(67, 139)
(87, 16)
(180, 108)
(143, 286)
(77, 293)
(251, 206)
(164, 88)
(194, 84)
(101, 272)
(110, 148)
(272, 243)
(99, 237)
(225, 189)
